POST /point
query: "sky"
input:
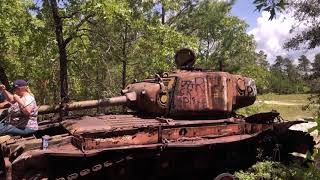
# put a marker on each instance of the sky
(270, 35)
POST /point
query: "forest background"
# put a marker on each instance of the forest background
(105, 44)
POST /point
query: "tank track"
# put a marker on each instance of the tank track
(187, 163)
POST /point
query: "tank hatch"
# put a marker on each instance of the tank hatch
(184, 58)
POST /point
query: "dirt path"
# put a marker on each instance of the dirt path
(283, 103)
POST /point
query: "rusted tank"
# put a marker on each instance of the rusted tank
(183, 126)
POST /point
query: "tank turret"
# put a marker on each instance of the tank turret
(183, 93)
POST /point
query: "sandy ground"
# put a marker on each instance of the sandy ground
(283, 103)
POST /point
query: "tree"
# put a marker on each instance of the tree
(259, 71)
(279, 64)
(223, 42)
(316, 66)
(62, 43)
(308, 13)
(202, 19)
(304, 65)
(293, 75)
(314, 83)
(138, 35)
(284, 76)
(278, 80)
(106, 44)
(76, 18)
(303, 73)
(271, 6)
(261, 60)
(13, 33)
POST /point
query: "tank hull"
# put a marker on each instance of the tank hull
(131, 147)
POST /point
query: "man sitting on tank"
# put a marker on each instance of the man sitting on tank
(22, 114)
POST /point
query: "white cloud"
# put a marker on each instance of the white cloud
(271, 35)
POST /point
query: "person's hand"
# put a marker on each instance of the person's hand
(16, 98)
(2, 88)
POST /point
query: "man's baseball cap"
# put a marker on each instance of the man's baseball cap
(19, 83)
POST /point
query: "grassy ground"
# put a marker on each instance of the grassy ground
(268, 102)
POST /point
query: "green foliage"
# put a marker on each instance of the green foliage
(221, 37)
(250, 110)
(307, 13)
(316, 66)
(156, 50)
(317, 119)
(288, 78)
(307, 36)
(113, 41)
(259, 74)
(275, 170)
(259, 71)
(265, 170)
(304, 65)
(272, 6)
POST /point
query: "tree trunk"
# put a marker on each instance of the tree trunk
(208, 48)
(163, 15)
(62, 57)
(124, 56)
(221, 65)
(124, 73)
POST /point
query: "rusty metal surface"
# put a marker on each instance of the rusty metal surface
(211, 92)
(183, 93)
(157, 136)
(124, 122)
(71, 150)
(139, 138)
(110, 131)
(154, 133)
(113, 130)
(107, 123)
(147, 99)
(211, 131)
(204, 142)
(45, 109)
(254, 128)
(14, 147)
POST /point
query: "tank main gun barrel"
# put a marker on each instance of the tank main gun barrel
(114, 101)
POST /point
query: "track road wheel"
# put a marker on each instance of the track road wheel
(225, 176)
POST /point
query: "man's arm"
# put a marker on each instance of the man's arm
(7, 94)
(25, 106)
(4, 104)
